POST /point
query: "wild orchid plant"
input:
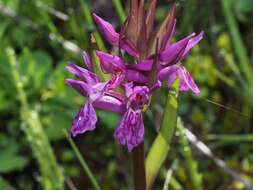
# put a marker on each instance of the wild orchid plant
(154, 59)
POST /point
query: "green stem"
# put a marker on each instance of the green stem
(120, 11)
(86, 169)
(139, 167)
(51, 174)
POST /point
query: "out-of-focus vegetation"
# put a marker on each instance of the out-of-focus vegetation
(40, 36)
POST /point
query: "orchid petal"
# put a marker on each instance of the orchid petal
(87, 61)
(115, 80)
(192, 42)
(171, 78)
(107, 30)
(157, 85)
(80, 86)
(186, 81)
(111, 35)
(130, 49)
(111, 63)
(135, 76)
(97, 91)
(165, 72)
(110, 103)
(144, 65)
(130, 129)
(83, 74)
(173, 52)
(128, 88)
(84, 121)
(171, 34)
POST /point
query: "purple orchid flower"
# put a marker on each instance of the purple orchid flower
(130, 129)
(99, 94)
(154, 59)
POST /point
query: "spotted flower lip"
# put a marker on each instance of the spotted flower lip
(84, 121)
(130, 129)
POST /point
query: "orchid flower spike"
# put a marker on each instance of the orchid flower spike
(154, 59)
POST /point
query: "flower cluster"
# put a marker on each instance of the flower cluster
(155, 59)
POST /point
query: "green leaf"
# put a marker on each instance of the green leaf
(10, 160)
(4, 184)
(161, 144)
(35, 68)
(58, 122)
(109, 119)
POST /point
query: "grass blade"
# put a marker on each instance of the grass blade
(82, 162)
(120, 10)
(237, 41)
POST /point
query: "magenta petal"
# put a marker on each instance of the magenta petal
(97, 91)
(186, 81)
(145, 65)
(127, 48)
(111, 63)
(87, 61)
(171, 34)
(107, 30)
(172, 77)
(130, 129)
(192, 42)
(174, 51)
(83, 74)
(110, 103)
(135, 76)
(165, 72)
(80, 86)
(84, 121)
(128, 88)
(115, 80)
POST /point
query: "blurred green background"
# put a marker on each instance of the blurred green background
(38, 38)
